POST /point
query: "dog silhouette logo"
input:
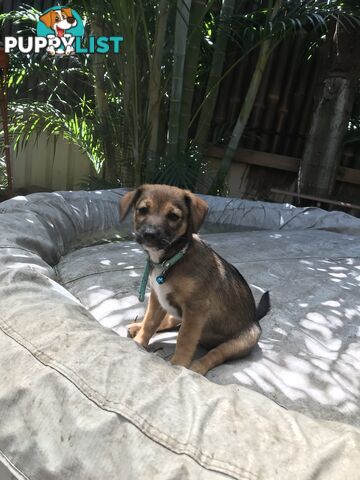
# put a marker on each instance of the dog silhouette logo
(61, 26)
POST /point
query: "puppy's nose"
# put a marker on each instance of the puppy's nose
(71, 20)
(151, 233)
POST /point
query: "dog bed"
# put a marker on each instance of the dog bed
(80, 400)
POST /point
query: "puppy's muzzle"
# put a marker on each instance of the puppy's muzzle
(151, 236)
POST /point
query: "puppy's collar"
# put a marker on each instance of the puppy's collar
(165, 267)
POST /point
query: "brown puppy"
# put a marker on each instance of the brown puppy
(205, 293)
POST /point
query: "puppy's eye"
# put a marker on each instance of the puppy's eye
(63, 17)
(57, 19)
(143, 210)
(172, 217)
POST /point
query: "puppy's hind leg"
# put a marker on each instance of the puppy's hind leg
(169, 323)
(230, 350)
(188, 339)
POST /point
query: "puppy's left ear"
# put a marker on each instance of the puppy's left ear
(47, 18)
(67, 11)
(198, 209)
(127, 201)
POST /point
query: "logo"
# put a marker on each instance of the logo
(61, 31)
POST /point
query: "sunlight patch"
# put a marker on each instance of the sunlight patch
(331, 303)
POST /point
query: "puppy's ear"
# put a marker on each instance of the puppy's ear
(127, 201)
(67, 11)
(47, 18)
(198, 209)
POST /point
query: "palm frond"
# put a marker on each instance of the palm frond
(186, 170)
(92, 182)
(29, 120)
(294, 16)
(26, 15)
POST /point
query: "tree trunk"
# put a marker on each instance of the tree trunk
(191, 64)
(102, 106)
(243, 118)
(324, 146)
(181, 29)
(155, 89)
(217, 66)
(246, 108)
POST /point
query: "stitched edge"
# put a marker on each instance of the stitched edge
(145, 427)
(14, 471)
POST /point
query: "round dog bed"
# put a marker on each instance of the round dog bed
(80, 400)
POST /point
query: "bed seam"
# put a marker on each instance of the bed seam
(143, 425)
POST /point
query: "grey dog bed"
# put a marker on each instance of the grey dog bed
(80, 401)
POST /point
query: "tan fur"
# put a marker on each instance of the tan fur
(153, 316)
(67, 11)
(48, 18)
(203, 291)
(167, 323)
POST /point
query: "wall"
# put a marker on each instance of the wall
(50, 165)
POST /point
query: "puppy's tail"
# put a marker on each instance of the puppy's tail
(264, 306)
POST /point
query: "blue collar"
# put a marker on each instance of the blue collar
(165, 267)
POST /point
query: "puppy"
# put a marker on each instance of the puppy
(59, 21)
(201, 291)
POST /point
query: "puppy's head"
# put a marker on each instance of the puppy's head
(59, 20)
(163, 214)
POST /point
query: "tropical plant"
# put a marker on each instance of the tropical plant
(69, 102)
(147, 114)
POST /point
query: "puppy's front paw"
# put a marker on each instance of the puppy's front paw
(133, 329)
(199, 367)
(69, 50)
(180, 361)
(141, 339)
